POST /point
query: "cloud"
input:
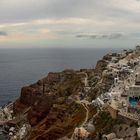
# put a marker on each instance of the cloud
(113, 36)
(2, 33)
(101, 36)
(87, 36)
(25, 10)
(64, 19)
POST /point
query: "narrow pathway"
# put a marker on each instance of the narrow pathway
(87, 113)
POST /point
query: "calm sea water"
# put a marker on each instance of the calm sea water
(20, 67)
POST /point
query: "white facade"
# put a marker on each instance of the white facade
(134, 91)
(138, 132)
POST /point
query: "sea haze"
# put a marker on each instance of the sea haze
(20, 67)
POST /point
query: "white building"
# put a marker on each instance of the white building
(110, 136)
(134, 91)
(138, 132)
(134, 95)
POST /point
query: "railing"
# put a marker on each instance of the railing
(129, 115)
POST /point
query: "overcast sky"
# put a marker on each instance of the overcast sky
(69, 23)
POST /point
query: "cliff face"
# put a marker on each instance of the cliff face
(61, 121)
(55, 105)
(51, 105)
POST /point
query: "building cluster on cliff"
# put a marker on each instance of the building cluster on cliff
(123, 98)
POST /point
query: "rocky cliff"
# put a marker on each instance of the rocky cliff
(52, 105)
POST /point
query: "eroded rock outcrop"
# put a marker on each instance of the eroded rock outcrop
(51, 105)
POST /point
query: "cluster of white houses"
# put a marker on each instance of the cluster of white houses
(131, 111)
(126, 102)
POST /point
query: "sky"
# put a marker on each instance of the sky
(69, 23)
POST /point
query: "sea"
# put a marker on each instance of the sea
(22, 67)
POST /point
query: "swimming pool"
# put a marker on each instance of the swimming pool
(133, 102)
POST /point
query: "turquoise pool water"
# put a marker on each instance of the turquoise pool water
(132, 102)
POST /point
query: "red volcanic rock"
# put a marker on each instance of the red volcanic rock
(49, 106)
(40, 109)
(38, 102)
(61, 121)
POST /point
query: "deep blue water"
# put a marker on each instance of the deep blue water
(20, 67)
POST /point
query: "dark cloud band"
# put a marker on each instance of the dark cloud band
(101, 36)
(2, 33)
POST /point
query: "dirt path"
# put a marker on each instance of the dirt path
(87, 113)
